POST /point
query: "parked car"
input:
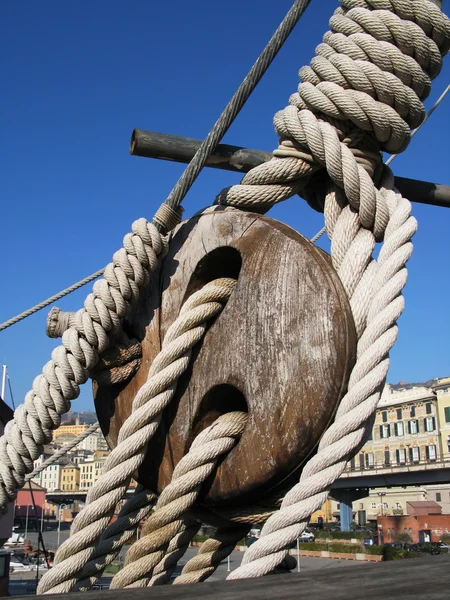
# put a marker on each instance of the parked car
(425, 547)
(307, 536)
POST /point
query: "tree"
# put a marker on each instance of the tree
(404, 537)
(445, 539)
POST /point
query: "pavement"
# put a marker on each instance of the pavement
(24, 583)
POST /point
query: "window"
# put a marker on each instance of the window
(338, 506)
(428, 408)
(431, 452)
(414, 454)
(384, 416)
(352, 464)
(429, 423)
(412, 411)
(413, 426)
(399, 414)
(385, 431)
(447, 414)
(399, 429)
(401, 456)
(369, 460)
(387, 457)
(438, 497)
(373, 505)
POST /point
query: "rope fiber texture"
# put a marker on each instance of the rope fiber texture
(127, 457)
(94, 327)
(361, 95)
(208, 448)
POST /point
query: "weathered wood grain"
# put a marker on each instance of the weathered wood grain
(425, 578)
(283, 348)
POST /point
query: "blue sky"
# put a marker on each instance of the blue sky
(79, 76)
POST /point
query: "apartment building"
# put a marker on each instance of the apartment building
(91, 470)
(406, 430)
(70, 478)
(94, 442)
(69, 431)
(50, 478)
(442, 389)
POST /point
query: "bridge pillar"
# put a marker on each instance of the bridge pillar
(346, 497)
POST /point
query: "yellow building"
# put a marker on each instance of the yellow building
(325, 513)
(442, 389)
(70, 478)
(74, 430)
(91, 470)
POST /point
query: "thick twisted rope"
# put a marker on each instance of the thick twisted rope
(148, 405)
(211, 553)
(63, 451)
(208, 448)
(176, 549)
(373, 287)
(71, 363)
(135, 510)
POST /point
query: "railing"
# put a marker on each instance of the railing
(353, 470)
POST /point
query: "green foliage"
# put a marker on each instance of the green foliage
(374, 550)
(112, 569)
(342, 548)
(200, 538)
(392, 553)
(404, 537)
(396, 553)
(317, 546)
(341, 535)
(445, 539)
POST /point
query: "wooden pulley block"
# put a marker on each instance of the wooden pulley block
(282, 349)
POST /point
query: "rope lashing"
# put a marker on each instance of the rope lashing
(116, 365)
(31, 428)
(176, 499)
(148, 405)
(320, 123)
(211, 553)
(134, 511)
(104, 309)
(175, 550)
(328, 119)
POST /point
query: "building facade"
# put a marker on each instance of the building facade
(442, 389)
(69, 430)
(70, 478)
(94, 442)
(50, 478)
(91, 470)
(406, 431)
(407, 434)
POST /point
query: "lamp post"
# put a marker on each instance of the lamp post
(26, 522)
(381, 495)
(59, 520)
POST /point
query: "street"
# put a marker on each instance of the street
(24, 583)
